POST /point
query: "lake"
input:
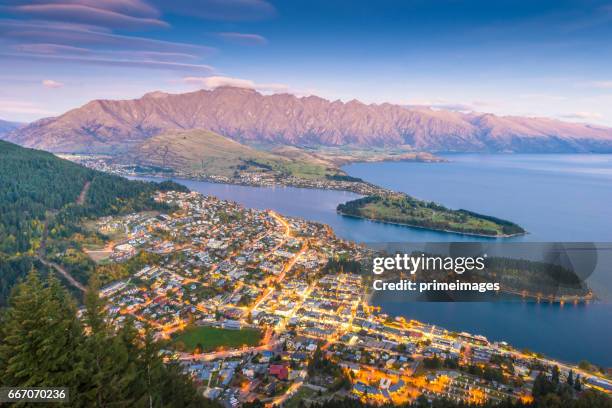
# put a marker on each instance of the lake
(554, 197)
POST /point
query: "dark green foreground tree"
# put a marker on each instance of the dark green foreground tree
(44, 343)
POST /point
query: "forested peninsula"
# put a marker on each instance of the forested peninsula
(402, 209)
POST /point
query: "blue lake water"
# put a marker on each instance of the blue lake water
(554, 197)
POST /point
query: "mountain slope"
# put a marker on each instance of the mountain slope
(35, 183)
(195, 150)
(202, 152)
(248, 116)
(44, 198)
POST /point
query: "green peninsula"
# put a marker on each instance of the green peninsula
(397, 208)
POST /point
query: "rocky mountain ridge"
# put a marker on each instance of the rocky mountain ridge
(250, 117)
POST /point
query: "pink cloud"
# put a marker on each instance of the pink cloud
(601, 84)
(89, 15)
(115, 62)
(50, 83)
(582, 115)
(22, 107)
(243, 38)
(213, 82)
(84, 36)
(49, 49)
(131, 7)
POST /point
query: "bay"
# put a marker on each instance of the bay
(554, 197)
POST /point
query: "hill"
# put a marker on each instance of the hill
(205, 153)
(103, 126)
(44, 198)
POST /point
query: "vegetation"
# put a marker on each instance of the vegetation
(202, 152)
(207, 338)
(44, 344)
(403, 209)
(43, 200)
(517, 276)
(334, 378)
(337, 265)
(108, 273)
(545, 278)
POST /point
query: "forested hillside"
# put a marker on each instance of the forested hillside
(42, 195)
(44, 344)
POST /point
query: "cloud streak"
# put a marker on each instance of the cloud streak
(601, 84)
(82, 36)
(21, 107)
(243, 38)
(89, 15)
(50, 83)
(582, 116)
(101, 61)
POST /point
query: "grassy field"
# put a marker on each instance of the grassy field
(211, 338)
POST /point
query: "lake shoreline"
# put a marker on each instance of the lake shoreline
(568, 333)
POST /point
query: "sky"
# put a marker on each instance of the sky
(528, 58)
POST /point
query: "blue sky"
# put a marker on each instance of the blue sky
(535, 58)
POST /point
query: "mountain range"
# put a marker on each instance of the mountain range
(247, 116)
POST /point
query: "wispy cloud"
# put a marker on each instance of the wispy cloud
(22, 107)
(83, 44)
(89, 14)
(114, 62)
(212, 82)
(607, 84)
(542, 96)
(582, 116)
(243, 38)
(83, 36)
(131, 7)
(49, 49)
(50, 83)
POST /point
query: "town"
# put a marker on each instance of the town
(256, 306)
(240, 177)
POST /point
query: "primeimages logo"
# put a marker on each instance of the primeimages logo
(412, 264)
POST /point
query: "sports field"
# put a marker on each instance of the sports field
(211, 338)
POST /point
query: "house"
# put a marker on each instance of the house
(280, 371)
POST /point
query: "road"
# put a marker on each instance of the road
(43, 244)
(83, 195)
(64, 273)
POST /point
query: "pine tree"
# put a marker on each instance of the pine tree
(111, 372)
(43, 343)
(577, 383)
(40, 336)
(151, 370)
(570, 378)
(64, 338)
(555, 375)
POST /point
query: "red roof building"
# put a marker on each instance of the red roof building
(280, 371)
